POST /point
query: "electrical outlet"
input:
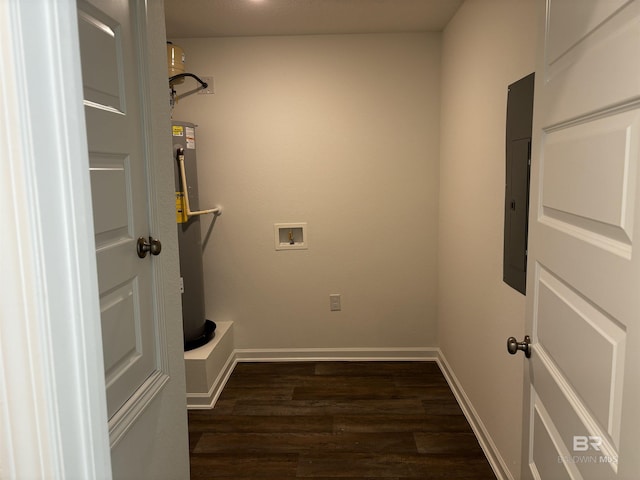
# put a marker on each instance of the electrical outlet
(334, 302)
(210, 90)
(181, 285)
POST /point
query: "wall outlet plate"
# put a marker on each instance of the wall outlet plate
(335, 302)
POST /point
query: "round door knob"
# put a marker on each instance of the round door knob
(513, 346)
(153, 246)
(156, 246)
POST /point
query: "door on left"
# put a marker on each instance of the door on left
(124, 148)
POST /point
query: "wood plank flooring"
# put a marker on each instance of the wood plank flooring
(335, 420)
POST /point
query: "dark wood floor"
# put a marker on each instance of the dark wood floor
(335, 420)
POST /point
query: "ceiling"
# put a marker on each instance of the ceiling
(221, 18)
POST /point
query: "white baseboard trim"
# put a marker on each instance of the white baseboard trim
(336, 354)
(496, 461)
(205, 401)
(199, 401)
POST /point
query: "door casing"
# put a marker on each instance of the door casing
(58, 421)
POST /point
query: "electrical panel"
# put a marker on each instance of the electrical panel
(518, 168)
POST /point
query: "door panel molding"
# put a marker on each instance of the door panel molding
(565, 317)
(555, 393)
(103, 86)
(125, 418)
(573, 66)
(544, 446)
(598, 156)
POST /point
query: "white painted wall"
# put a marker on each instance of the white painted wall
(487, 46)
(338, 131)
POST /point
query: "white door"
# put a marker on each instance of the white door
(582, 382)
(116, 83)
(119, 194)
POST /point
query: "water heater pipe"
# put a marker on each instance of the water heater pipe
(183, 179)
(182, 75)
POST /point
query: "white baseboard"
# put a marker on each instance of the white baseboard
(496, 461)
(336, 354)
(204, 401)
(208, 400)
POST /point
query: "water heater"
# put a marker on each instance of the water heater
(197, 329)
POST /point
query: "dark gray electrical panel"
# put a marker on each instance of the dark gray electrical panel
(518, 167)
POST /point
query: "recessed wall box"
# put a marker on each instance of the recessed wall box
(291, 236)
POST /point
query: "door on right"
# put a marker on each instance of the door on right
(582, 382)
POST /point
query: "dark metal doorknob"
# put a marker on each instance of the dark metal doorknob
(153, 246)
(513, 346)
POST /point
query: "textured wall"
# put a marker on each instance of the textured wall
(339, 131)
(487, 46)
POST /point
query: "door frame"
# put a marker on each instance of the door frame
(55, 425)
